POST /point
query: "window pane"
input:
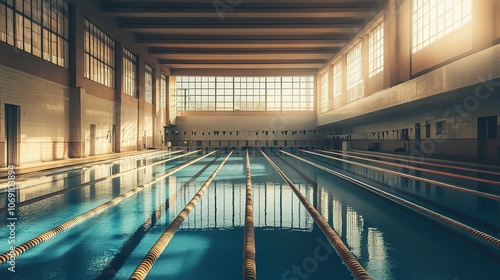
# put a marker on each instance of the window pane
(3, 23)
(97, 44)
(376, 50)
(434, 19)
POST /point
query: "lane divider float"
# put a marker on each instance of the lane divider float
(465, 177)
(154, 253)
(345, 254)
(119, 174)
(434, 182)
(249, 265)
(28, 245)
(474, 234)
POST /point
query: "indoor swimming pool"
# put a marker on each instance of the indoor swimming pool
(124, 216)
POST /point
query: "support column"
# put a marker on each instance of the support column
(330, 88)
(364, 65)
(76, 142)
(391, 52)
(141, 85)
(118, 94)
(76, 53)
(344, 80)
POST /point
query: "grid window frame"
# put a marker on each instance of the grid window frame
(324, 93)
(337, 84)
(273, 93)
(376, 50)
(440, 127)
(129, 73)
(249, 94)
(38, 27)
(99, 55)
(240, 94)
(432, 20)
(355, 73)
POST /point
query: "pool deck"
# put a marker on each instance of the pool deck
(43, 166)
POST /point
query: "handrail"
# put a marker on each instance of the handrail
(154, 253)
(434, 182)
(347, 257)
(119, 174)
(249, 266)
(469, 231)
(28, 245)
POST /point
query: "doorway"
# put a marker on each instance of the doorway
(486, 131)
(418, 136)
(12, 131)
(92, 140)
(113, 139)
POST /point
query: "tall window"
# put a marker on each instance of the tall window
(99, 55)
(432, 20)
(440, 127)
(324, 92)
(37, 27)
(224, 94)
(376, 50)
(297, 93)
(337, 84)
(129, 73)
(148, 91)
(245, 93)
(427, 128)
(163, 91)
(354, 73)
(273, 91)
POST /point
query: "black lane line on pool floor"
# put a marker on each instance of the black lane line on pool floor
(34, 242)
(129, 246)
(161, 244)
(100, 180)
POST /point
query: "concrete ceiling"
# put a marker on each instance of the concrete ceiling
(242, 37)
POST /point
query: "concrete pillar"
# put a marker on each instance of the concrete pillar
(141, 98)
(118, 94)
(344, 80)
(483, 19)
(364, 65)
(76, 143)
(330, 87)
(391, 52)
(76, 53)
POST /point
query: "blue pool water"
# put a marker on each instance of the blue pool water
(389, 241)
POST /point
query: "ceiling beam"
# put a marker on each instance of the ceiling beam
(243, 58)
(242, 36)
(289, 13)
(245, 9)
(245, 30)
(238, 64)
(243, 72)
(256, 42)
(241, 51)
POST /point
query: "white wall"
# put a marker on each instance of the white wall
(44, 116)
